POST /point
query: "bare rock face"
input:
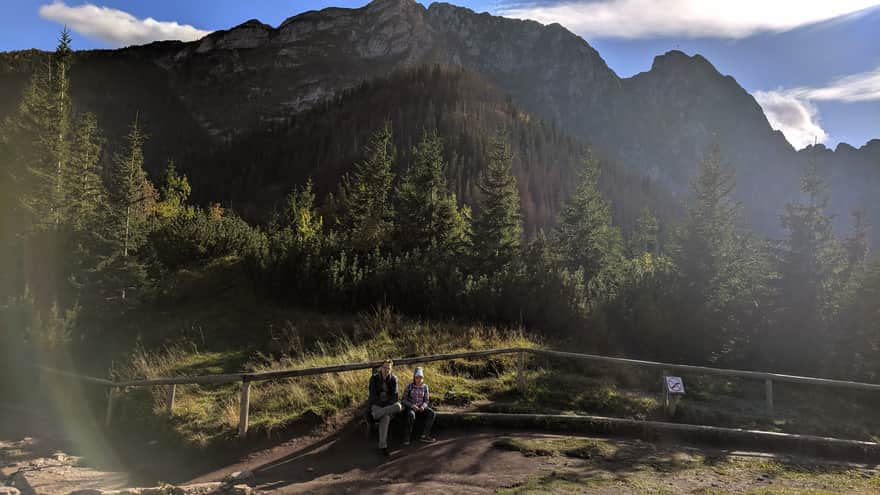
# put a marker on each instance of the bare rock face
(251, 34)
(263, 74)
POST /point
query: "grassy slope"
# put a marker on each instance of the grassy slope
(210, 321)
(208, 414)
(559, 387)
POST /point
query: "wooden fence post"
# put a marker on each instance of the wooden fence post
(244, 406)
(768, 395)
(169, 399)
(111, 405)
(520, 373)
(663, 389)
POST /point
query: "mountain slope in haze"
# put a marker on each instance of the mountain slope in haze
(192, 96)
(255, 170)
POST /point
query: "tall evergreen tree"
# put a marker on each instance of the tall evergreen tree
(810, 262)
(856, 350)
(584, 237)
(28, 157)
(40, 132)
(720, 266)
(497, 227)
(131, 197)
(35, 144)
(85, 205)
(58, 143)
(858, 244)
(86, 194)
(426, 213)
(366, 213)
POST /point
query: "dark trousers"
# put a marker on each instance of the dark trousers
(411, 414)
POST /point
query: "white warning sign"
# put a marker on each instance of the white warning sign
(674, 385)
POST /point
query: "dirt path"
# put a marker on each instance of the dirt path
(460, 462)
(470, 462)
(35, 456)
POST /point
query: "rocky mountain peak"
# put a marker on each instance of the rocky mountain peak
(872, 146)
(249, 34)
(678, 62)
(252, 23)
(393, 4)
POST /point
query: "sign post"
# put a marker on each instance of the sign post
(673, 391)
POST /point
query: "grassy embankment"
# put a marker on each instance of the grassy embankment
(207, 414)
(211, 321)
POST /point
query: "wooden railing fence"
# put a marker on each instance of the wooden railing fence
(247, 379)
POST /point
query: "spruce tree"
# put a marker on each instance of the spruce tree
(86, 194)
(28, 159)
(42, 128)
(584, 237)
(58, 143)
(497, 226)
(427, 214)
(811, 263)
(366, 213)
(721, 269)
(855, 353)
(858, 244)
(85, 206)
(35, 144)
(131, 196)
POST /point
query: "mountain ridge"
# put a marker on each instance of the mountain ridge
(657, 122)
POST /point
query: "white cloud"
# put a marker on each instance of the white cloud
(795, 116)
(686, 18)
(856, 87)
(117, 27)
(792, 110)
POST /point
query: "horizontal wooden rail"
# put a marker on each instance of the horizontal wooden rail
(67, 374)
(757, 375)
(274, 375)
(247, 378)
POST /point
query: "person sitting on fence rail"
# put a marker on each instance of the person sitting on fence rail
(383, 400)
(415, 399)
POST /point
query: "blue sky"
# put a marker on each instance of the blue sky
(813, 65)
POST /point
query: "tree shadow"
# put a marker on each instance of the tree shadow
(332, 464)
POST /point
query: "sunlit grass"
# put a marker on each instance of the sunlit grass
(205, 414)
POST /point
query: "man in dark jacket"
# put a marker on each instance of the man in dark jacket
(383, 400)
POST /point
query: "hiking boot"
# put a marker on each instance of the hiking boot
(427, 439)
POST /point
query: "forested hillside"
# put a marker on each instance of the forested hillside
(253, 78)
(255, 170)
(427, 218)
